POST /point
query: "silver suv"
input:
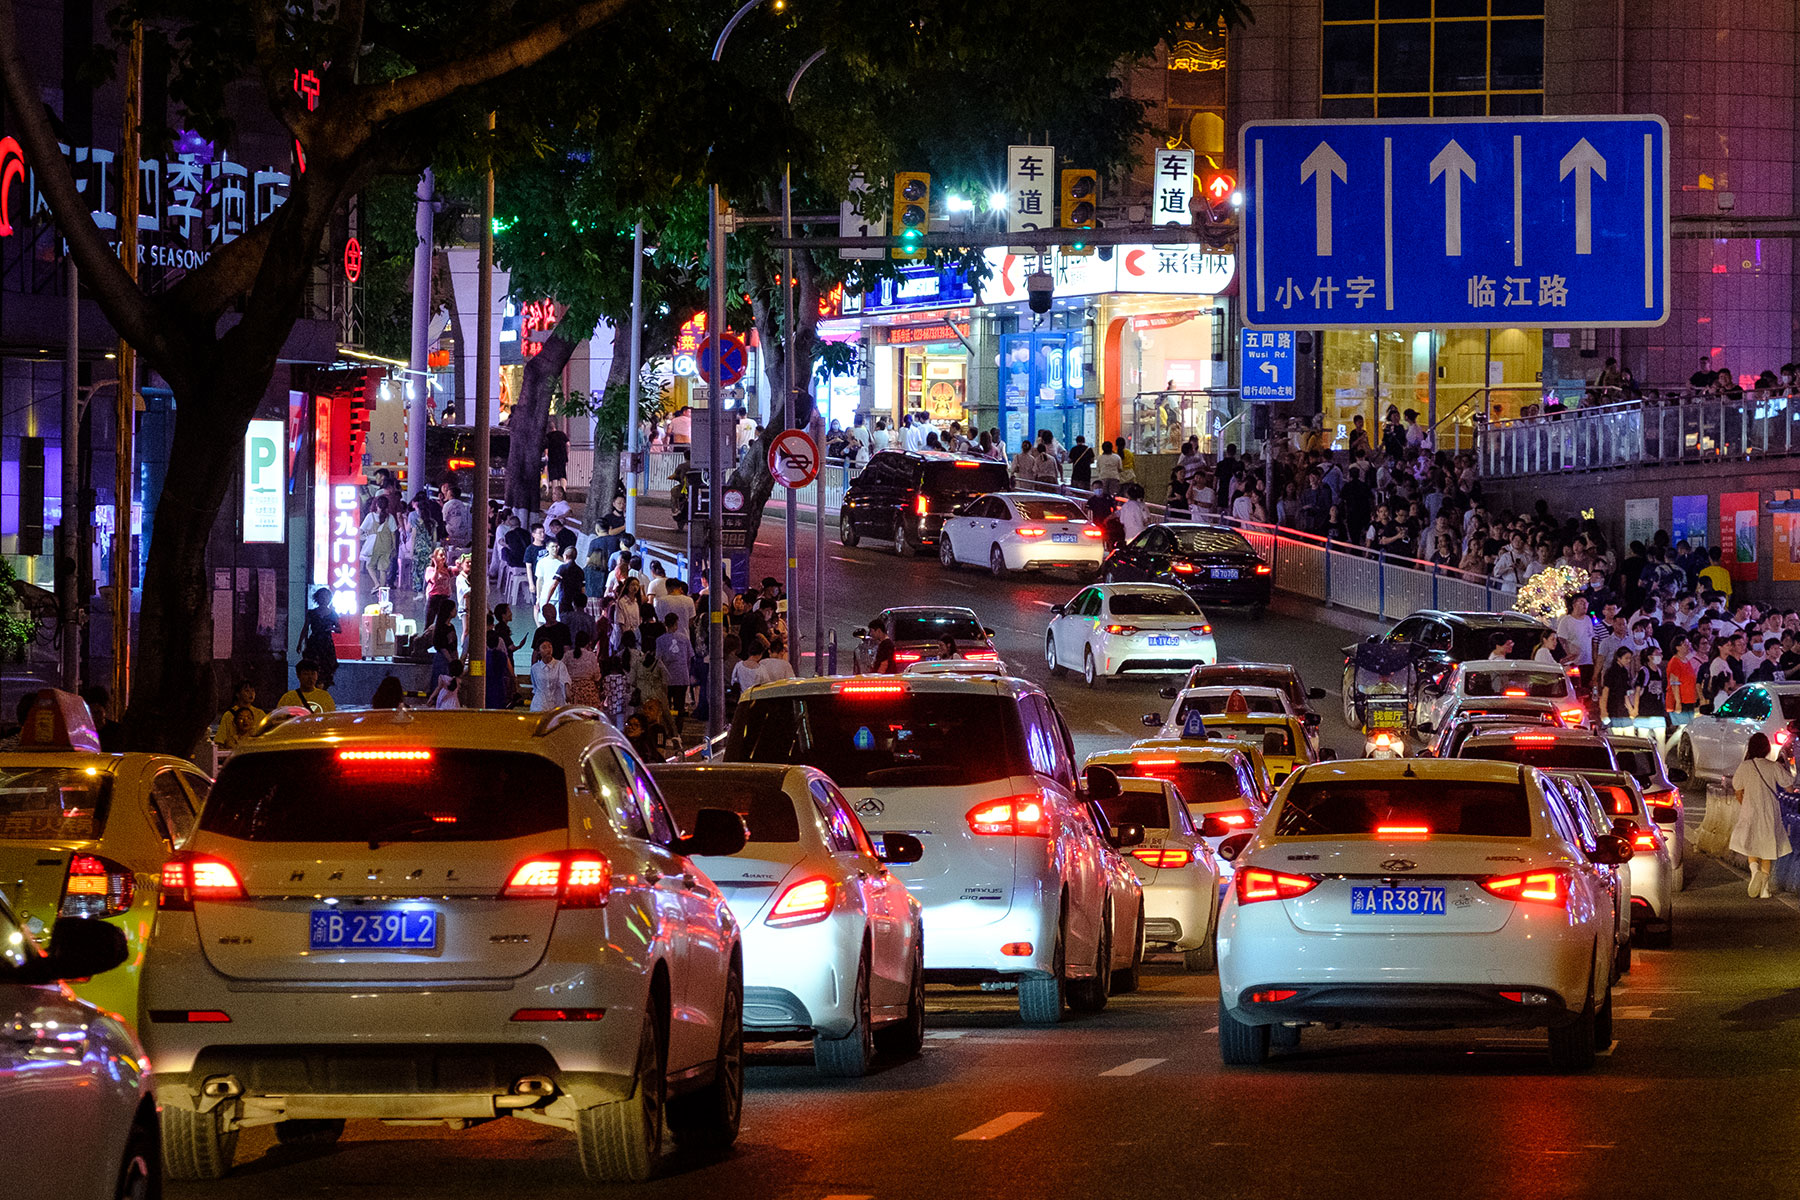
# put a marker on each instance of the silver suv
(445, 916)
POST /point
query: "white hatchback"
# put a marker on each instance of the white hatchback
(445, 916)
(1111, 628)
(1417, 893)
(1023, 531)
(1501, 679)
(833, 948)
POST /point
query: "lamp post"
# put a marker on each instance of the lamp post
(792, 374)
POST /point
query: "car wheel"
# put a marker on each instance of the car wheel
(906, 1037)
(1622, 960)
(1349, 700)
(946, 555)
(140, 1174)
(1090, 671)
(1041, 998)
(1681, 756)
(620, 1142)
(1056, 668)
(1205, 956)
(1657, 939)
(847, 531)
(1572, 1044)
(1241, 1044)
(309, 1132)
(997, 562)
(1284, 1037)
(1125, 981)
(902, 544)
(848, 1057)
(1089, 995)
(708, 1119)
(195, 1144)
(1603, 1023)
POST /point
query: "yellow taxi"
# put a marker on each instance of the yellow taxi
(85, 834)
(1280, 739)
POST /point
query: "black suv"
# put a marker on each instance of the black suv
(1440, 641)
(902, 497)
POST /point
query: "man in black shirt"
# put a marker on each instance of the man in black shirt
(1081, 463)
(561, 535)
(556, 452)
(1704, 377)
(571, 583)
(552, 630)
(513, 544)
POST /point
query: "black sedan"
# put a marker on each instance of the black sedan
(1212, 563)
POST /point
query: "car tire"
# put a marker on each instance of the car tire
(1622, 961)
(1056, 668)
(1125, 982)
(1241, 1044)
(905, 1038)
(1090, 670)
(1284, 1037)
(1681, 757)
(195, 1144)
(903, 545)
(1603, 1023)
(1205, 956)
(1572, 1044)
(140, 1171)
(1657, 939)
(997, 562)
(620, 1142)
(1042, 998)
(848, 1057)
(1090, 994)
(309, 1132)
(707, 1120)
(847, 531)
(946, 554)
(1349, 699)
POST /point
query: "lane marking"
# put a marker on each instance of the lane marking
(841, 558)
(961, 583)
(1214, 1029)
(1045, 603)
(1110, 727)
(947, 1034)
(1135, 1066)
(1636, 1012)
(999, 1126)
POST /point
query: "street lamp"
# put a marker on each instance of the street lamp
(791, 381)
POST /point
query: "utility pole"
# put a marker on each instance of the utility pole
(475, 630)
(792, 369)
(127, 389)
(632, 388)
(418, 379)
(69, 532)
(715, 465)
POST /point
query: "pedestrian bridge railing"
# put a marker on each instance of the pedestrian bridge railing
(1691, 429)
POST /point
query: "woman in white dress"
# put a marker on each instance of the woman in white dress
(1759, 834)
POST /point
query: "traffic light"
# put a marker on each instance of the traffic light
(1080, 194)
(912, 213)
(1218, 187)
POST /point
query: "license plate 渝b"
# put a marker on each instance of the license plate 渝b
(1397, 901)
(1224, 573)
(374, 929)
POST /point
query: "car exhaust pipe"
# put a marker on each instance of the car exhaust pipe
(534, 1085)
(222, 1087)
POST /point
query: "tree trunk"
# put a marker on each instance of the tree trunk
(603, 478)
(530, 417)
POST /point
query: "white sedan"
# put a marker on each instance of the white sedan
(1111, 628)
(1712, 745)
(1490, 679)
(833, 948)
(1175, 865)
(1022, 531)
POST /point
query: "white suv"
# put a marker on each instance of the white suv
(445, 916)
(1017, 879)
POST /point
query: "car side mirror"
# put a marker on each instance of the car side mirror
(1057, 610)
(1124, 837)
(1233, 846)
(989, 632)
(900, 849)
(1665, 814)
(1213, 827)
(1315, 693)
(1153, 720)
(1102, 784)
(717, 832)
(1677, 775)
(1610, 850)
(1312, 720)
(80, 947)
(1168, 693)
(1623, 827)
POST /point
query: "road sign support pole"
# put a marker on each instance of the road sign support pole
(790, 510)
(715, 465)
(475, 623)
(633, 447)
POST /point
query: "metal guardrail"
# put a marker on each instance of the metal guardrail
(1691, 429)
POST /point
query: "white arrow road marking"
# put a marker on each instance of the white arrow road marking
(1453, 162)
(1133, 1067)
(1000, 1125)
(1585, 162)
(1323, 163)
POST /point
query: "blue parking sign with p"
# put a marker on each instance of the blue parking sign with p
(1266, 366)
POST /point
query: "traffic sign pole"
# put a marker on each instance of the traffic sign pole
(715, 429)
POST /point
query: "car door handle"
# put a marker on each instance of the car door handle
(689, 879)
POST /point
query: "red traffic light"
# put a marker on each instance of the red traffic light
(1219, 185)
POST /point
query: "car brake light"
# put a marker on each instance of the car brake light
(97, 887)
(1539, 887)
(1385, 739)
(573, 878)
(1257, 883)
(982, 656)
(1263, 568)
(189, 1016)
(1513, 692)
(362, 756)
(922, 505)
(1016, 949)
(1163, 859)
(906, 656)
(865, 690)
(1016, 816)
(1403, 831)
(1273, 996)
(1573, 716)
(1121, 629)
(1182, 568)
(1644, 839)
(1093, 531)
(964, 462)
(1029, 531)
(804, 902)
(1783, 736)
(1237, 818)
(1199, 628)
(1157, 762)
(1535, 739)
(194, 877)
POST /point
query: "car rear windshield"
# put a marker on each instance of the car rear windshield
(1153, 604)
(964, 477)
(1546, 684)
(329, 795)
(1790, 705)
(1469, 643)
(1049, 510)
(1203, 539)
(756, 796)
(1213, 706)
(1274, 740)
(905, 739)
(1199, 782)
(1440, 807)
(1639, 764)
(1546, 756)
(1148, 809)
(40, 804)
(929, 627)
(1233, 676)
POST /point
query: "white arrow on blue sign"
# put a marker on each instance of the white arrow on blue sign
(1544, 222)
(1266, 366)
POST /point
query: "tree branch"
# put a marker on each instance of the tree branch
(124, 303)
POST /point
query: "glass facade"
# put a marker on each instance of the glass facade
(1432, 58)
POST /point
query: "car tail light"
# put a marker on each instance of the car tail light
(97, 887)
(1016, 949)
(1029, 531)
(1513, 692)
(1259, 883)
(1153, 763)
(804, 902)
(559, 1014)
(1273, 996)
(1574, 672)
(867, 691)
(1121, 629)
(922, 505)
(1264, 569)
(1403, 831)
(1783, 737)
(372, 756)
(1644, 839)
(906, 656)
(1573, 716)
(1237, 818)
(982, 656)
(1199, 628)
(197, 877)
(1163, 859)
(1182, 568)
(573, 878)
(1093, 531)
(1016, 816)
(1534, 739)
(1537, 887)
(189, 1016)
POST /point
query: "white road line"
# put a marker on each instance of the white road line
(1045, 603)
(1110, 727)
(961, 583)
(1135, 1066)
(1636, 1012)
(947, 1034)
(1214, 1029)
(1003, 1124)
(841, 558)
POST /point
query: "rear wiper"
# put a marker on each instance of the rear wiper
(392, 832)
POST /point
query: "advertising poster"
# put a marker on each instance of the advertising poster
(1739, 513)
(1687, 519)
(1787, 536)
(1640, 520)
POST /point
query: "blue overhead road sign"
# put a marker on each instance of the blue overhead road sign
(1266, 366)
(1533, 221)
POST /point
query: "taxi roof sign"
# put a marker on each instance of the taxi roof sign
(59, 720)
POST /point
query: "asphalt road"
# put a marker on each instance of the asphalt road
(1696, 1097)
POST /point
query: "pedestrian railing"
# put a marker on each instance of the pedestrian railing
(1694, 429)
